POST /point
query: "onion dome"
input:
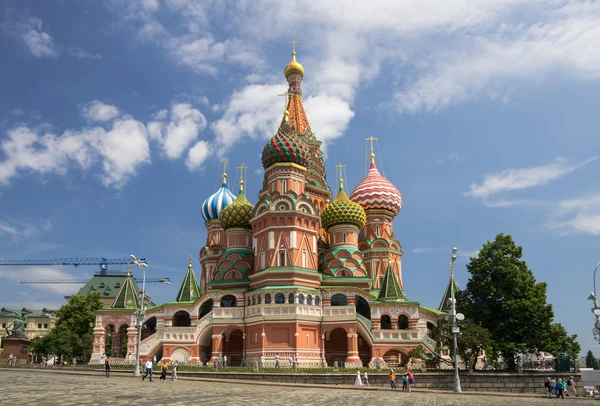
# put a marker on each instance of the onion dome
(211, 208)
(343, 211)
(375, 192)
(293, 68)
(285, 147)
(239, 213)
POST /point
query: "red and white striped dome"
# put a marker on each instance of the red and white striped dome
(375, 192)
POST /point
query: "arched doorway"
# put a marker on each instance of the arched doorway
(149, 327)
(386, 322)
(364, 350)
(182, 319)
(122, 349)
(394, 358)
(431, 330)
(339, 300)
(336, 347)
(228, 301)
(233, 347)
(109, 332)
(362, 307)
(205, 308)
(205, 345)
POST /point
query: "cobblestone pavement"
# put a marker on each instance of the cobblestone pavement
(55, 388)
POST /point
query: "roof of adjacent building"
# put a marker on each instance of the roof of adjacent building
(128, 297)
(390, 290)
(189, 291)
(43, 313)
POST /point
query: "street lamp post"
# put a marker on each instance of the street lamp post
(595, 309)
(455, 329)
(141, 315)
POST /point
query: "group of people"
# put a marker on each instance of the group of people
(558, 387)
(407, 380)
(164, 368)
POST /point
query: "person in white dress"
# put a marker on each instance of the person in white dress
(358, 382)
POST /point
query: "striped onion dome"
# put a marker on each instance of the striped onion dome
(285, 146)
(212, 207)
(375, 192)
(239, 213)
(343, 211)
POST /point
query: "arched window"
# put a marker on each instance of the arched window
(430, 330)
(304, 259)
(281, 257)
(259, 299)
(309, 300)
(253, 300)
(228, 301)
(291, 298)
(279, 298)
(339, 300)
(262, 260)
(301, 298)
(249, 301)
(402, 322)
(317, 300)
(268, 298)
(362, 307)
(182, 319)
(377, 230)
(386, 322)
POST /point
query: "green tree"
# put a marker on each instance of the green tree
(72, 336)
(560, 344)
(591, 361)
(503, 296)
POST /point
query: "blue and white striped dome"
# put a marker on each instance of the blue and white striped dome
(217, 202)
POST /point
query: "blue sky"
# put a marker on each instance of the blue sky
(114, 116)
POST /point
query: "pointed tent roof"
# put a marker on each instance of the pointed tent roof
(390, 288)
(444, 303)
(128, 296)
(189, 290)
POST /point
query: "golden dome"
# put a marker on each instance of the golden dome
(294, 68)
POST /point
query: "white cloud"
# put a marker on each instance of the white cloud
(517, 179)
(18, 231)
(36, 273)
(98, 111)
(329, 116)
(467, 254)
(579, 215)
(422, 250)
(175, 136)
(40, 43)
(197, 155)
(81, 54)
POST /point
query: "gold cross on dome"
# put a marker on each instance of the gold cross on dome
(286, 94)
(242, 168)
(341, 167)
(371, 139)
(224, 162)
(294, 42)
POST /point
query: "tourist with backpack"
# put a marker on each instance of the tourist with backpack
(571, 387)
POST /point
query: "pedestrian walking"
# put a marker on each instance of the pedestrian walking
(219, 360)
(154, 359)
(291, 362)
(551, 385)
(107, 367)
(560, 387)
(11, 359)
(411, 380)
(148, 369)
(358, 382)
(277, 361)
(404, 383)
(571, 387)
(164, 367)
(174, 370)
(224, 361)
(392, 377)
(366, 379)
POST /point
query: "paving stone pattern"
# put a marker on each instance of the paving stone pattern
(29, 387)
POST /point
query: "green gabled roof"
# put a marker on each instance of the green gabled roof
(390, 288)
(433, 311)
(189, 290)
(447, 294)
(128, 296)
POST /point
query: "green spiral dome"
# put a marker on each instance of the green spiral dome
(343, 211)
(238, 214)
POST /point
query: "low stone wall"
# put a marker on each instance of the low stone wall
(474, 382)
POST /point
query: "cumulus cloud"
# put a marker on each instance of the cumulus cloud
(197, 155)
(184, 126)
(98, 111)
(36, 273)
(578, 215)
(18, 231)
(40, 43)
(121, 150)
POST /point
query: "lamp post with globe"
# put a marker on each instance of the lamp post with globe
(141, 314)
(453, 317)
(595, 309)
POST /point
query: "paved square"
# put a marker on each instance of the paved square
(22, 387)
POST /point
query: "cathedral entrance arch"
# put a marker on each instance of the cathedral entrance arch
(205, 308)
(149, 327)
(362, 307)
(182, 319)
(233, 347)
(205, 345)
(364, 350)
(394, 358)
(336, 347)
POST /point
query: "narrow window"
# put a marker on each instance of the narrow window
(292, 239)
(304, 259)
(255, 338)
(254, 244)
(291, 298)
(284, 186)
(262, 260)
(309, 300)
(39, 325)
(317, 300)
(344, 237)
(377, 230)
(272, 187)
(334, 238)
(314, 244)
(268, 298)
(307, 338)
(271, 240)
(237, 240)
(45, 325)
(301, 298)
(297, 188)
(281, 257)
(218, 238)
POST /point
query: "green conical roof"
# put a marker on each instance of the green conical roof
(189, 290)
(390, 288)
(128, 296)
(444, 307)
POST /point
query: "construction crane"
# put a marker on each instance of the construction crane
(103, 262)
(166, 281)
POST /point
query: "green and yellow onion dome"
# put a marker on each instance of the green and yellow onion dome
(239, 213)
(285, 146)
(343, 211)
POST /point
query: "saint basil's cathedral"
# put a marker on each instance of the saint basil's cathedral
(300, 273)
